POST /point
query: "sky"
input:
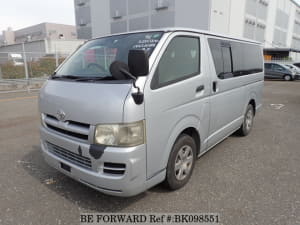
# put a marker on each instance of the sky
(22, 13)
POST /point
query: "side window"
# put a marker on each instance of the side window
(222, 56)
(180, 60)
(216, 51)
(227, 62)
(234, 59)
(277, 67)
(268, 66)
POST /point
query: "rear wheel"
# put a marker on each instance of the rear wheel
(287, 78)
(248, 121)
(181, 162)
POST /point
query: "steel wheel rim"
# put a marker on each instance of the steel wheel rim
(249, 120)
(183, 162)
(287, 78)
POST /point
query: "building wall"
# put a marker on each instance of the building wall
(40, 32)
(83, 18)
(193, 13)
(8, 37)
(237, 21)
(117, 16)
(100, 24)
(275, 23)
(54, 31)
(37, 32)
(220, 11)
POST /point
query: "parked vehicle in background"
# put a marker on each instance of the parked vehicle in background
(297, 64)
(295, 69)
(17, 59)
(279, 71)
(129, 111)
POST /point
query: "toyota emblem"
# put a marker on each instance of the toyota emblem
(61, 115)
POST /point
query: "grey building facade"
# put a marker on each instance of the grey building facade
(83, 18)
(275, 23)
(51, 31)
(97, 18)
(46, 30)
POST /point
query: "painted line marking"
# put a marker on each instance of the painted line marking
(277, 106)
(18, 98)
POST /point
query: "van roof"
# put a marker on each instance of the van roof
(174, 29)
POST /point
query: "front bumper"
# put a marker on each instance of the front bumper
(130, 183)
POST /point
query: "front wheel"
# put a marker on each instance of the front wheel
(181, 162)
(287, 78)
(248, 121)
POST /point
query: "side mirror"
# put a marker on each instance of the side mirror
(138, 63)
(119, 71)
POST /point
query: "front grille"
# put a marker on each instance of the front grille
(114, 168)
(70, 133)
(69, 156)
(71, 128)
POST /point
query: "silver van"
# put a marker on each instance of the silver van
(129, 111)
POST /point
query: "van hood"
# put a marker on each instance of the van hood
(85, 102)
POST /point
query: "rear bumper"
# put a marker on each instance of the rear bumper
(130, 183)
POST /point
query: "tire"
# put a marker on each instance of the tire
(247, 125)
(181, 162)
(287, 78)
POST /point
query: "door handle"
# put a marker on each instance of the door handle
(214, 86)
(200, 88)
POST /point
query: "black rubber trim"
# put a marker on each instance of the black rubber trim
(97, 150)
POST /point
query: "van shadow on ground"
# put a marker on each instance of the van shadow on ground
(85, 197)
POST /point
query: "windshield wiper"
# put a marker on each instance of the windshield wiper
(71, 77)
(94, 78)
(81, 78)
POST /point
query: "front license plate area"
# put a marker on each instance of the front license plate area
(65, 167)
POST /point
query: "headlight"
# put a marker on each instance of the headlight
(120, 135)
(42, 118)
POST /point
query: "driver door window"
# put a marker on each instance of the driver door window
(276, 67)
(181, 60)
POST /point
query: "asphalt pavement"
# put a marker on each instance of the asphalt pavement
(247, 180)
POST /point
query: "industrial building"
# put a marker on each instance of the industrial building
(50, 31)
(39, 40)
(275, 23)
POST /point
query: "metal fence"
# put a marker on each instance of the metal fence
(26, 70)
(28, 65)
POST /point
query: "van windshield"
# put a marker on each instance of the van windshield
(94, 58)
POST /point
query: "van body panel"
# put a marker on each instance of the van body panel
(90, 103)
(232, 100)
(173, 108)
(131, 183)
(229, 101)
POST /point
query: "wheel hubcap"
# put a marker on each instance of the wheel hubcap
(183, 162)
(249, 120)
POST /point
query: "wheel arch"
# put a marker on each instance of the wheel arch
(189, 125)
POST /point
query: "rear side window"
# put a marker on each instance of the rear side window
(244, 58)
(227, 61)
(268, 66)
(180, 61)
